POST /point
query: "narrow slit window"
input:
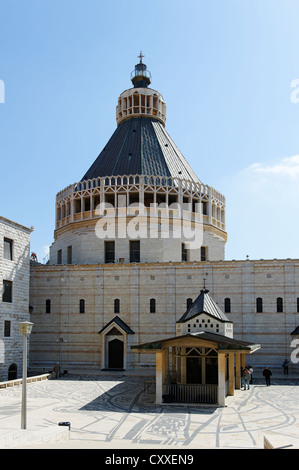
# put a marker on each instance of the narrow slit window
(116, 306)
(279, 305)
(82, 306)
(152, 305)
(7, 329)
(259, 305)
(69, 254)
(48, 306)
(227, 305)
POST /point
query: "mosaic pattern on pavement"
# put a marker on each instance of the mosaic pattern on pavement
(110, 409)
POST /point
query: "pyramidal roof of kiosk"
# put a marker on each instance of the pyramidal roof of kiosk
(204, 304)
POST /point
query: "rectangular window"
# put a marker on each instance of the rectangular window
(8, 249)
(69, 255)
(48, 306)
(297, 304)
(7, 325)
(59, 257)
(203, 253)
(109, 252)
(7, 291)
(135, 251)
(82, 306)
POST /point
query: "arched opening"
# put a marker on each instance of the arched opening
(114, 337)
(115, 354)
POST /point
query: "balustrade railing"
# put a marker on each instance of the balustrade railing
(191, 393)
(78, 201)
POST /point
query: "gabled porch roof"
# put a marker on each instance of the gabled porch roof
(119, 322)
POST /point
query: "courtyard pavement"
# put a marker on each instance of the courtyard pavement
(118, 412)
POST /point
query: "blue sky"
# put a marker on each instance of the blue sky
(225, 69)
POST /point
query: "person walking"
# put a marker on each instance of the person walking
(285, 366)
(267, 374)
(246, 377)
(242, 377)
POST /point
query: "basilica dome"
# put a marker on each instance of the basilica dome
(140, 178)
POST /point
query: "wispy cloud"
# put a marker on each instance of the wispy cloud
(288, 166)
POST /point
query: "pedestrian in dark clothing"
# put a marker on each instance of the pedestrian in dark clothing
(267, 374)
(246, 378)
(285, 366)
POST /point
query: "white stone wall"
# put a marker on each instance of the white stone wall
(17, 271)
(87, 241)
(206, 323)
(171, 284)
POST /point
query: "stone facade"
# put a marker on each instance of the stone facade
(14, 301)
(94, 300)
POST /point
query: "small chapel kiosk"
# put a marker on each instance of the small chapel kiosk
(202, 363)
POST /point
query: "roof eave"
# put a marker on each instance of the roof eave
(224, 343)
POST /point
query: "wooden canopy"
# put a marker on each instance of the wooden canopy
(229, 357)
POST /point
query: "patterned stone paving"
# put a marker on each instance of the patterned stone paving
(116, 411)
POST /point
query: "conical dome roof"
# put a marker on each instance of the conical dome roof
(141, 146)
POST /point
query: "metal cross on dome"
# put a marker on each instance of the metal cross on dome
(141, 56)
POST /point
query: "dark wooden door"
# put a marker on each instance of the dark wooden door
(115, 354)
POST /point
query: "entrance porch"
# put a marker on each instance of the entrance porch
(197, 368)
